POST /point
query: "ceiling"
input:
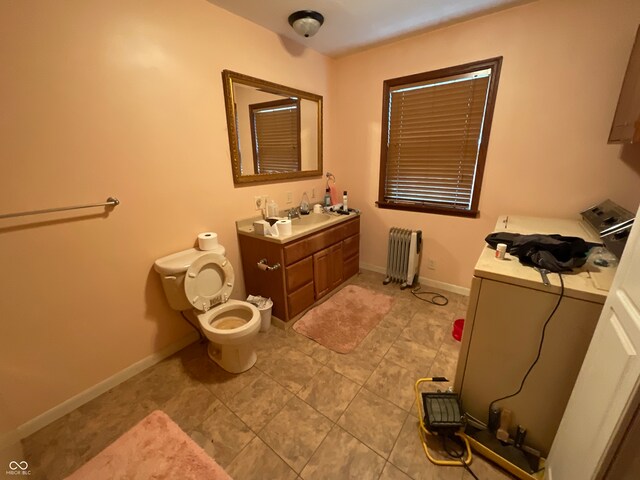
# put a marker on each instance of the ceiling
(352, 25)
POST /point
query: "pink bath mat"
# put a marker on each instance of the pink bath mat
(343, 321)
(155, 448)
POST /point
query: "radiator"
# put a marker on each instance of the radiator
(403, 256)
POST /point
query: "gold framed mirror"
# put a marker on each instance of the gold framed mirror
(275, 132)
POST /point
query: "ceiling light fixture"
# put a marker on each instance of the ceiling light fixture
(306, 22)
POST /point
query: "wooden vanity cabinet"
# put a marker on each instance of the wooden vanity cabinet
(327, 270)
(311, 266)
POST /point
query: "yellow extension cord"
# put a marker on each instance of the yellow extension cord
(423, 431)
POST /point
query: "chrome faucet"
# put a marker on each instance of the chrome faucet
(293, 213)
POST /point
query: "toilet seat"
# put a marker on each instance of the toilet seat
(209, 281)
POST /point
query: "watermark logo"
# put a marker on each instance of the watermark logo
(18, 468)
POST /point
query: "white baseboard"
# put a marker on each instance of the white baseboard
(89, 394)
(424, 281)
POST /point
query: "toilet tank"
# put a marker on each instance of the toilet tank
(172, 270)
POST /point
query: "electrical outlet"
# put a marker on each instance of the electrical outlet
(289, 197)
(431, 264)
(313, 194)
(258, 201)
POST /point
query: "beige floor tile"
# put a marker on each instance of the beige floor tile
(289, 367)
(403, 310)
(412, 356)
(357, 365)
(435, 314)
(221, 383)
(408, 455)
(379, 434)
(109, 416)
(257, 404)
(425, 331)
(258, 462)
(295, 433)
(273, 338)
(53, 452)
(190, 406)
(393, 383)
(444, 365)
(329, 392)
(222, 435)
(341, 456)
(308, 346)
(391, 472)
(378, 341)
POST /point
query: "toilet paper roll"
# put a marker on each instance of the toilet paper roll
(284, 227)
(317, 208)
(208, 241)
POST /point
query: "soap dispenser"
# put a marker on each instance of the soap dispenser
(304, 204)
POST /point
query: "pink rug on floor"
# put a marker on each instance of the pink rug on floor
(343, 321)
(155, 448)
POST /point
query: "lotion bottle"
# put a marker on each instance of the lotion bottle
(344, 201)
(327, 198)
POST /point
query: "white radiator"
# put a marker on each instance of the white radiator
(403, 256)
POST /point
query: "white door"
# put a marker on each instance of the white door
(607, 385)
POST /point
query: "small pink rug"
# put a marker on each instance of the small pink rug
(155, 448)
(343, 321)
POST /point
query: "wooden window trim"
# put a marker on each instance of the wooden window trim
(495, 65)
(273, 104)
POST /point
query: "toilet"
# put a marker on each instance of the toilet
(200, 282)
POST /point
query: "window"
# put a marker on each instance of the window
(275, 133)
(434, 138)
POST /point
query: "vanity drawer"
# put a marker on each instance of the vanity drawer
(308, 246)
(351, 267)
(351, 246)
(300, 299)
(299, 274)
(350, 228)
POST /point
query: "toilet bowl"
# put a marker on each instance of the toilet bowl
(231, 329)
(203, 281)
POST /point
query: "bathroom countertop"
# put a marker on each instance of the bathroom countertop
(314, 222)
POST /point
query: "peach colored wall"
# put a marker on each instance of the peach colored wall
(564, 61)
(122, 99)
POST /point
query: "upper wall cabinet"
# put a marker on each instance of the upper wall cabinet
(626, 123)
(275, 132)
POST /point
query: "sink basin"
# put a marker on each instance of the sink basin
(311, 219)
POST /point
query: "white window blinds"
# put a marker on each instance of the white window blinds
(433, 140)
(276, 134)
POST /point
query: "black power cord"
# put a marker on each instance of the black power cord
(436, 299)
(456, 455)
(544, 328)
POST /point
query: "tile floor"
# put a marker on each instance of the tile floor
(302, 411)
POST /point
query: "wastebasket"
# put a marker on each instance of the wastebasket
(264, 306)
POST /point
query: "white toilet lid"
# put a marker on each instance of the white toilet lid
(209, 281)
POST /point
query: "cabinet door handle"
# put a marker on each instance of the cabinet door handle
(265, 267)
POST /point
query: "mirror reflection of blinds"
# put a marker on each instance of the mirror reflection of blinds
(276, 139)
(434, 134)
